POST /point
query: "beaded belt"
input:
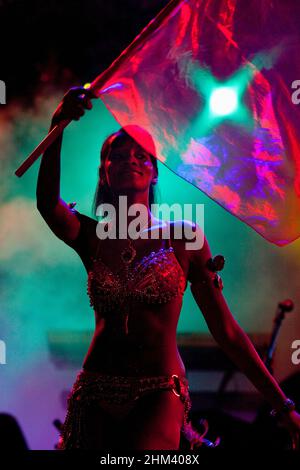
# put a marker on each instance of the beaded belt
(116, 390)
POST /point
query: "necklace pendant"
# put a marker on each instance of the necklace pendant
(128, 254)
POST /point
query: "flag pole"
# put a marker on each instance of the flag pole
(99, 82)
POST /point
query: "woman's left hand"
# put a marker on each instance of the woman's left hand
(291, 421)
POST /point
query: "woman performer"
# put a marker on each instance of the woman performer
(132, 391)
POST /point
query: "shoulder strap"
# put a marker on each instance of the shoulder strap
(98, 244)
(87, 227)
(78, 243)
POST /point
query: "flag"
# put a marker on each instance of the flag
(216, 85)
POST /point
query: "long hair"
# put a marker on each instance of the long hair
(103, 192)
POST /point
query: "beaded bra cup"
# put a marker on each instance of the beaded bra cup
(156, 279)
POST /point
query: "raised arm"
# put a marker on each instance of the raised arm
(56, 213)
(230, 336)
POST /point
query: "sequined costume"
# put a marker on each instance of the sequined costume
(156, 278)
(118, 396)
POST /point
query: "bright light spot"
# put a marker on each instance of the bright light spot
(223, 101)
(87, 86)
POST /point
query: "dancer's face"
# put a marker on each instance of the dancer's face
(129, 167)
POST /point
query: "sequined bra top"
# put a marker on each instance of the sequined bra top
(155, 279)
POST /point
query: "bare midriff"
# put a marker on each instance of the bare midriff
(150, 347)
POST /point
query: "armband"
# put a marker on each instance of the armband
(213, 265)
(72, 205)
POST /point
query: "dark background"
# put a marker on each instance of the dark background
(64, 43)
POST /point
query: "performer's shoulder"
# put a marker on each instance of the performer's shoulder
(86, 219)
(185, 229)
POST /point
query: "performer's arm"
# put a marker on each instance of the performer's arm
(57, 214)
(227, 332)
